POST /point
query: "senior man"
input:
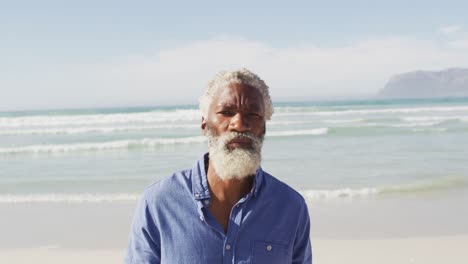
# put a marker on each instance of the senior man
(226, 208)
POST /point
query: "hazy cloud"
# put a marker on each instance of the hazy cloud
(180, 74)
(459, 44)
(449, 29)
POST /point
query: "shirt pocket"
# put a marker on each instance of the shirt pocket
(270, 253)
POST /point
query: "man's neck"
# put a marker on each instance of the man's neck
(227, 191)
(225, 194)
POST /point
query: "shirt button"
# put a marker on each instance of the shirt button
(228, 247)
(197, 195)
(269, 247)
(207, 202)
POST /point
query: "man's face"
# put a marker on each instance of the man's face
(236, 108)
(235, 127)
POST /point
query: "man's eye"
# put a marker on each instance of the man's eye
(254, 114)
(227, 113)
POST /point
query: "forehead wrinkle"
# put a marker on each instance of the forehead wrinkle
(231, 105)
(230, 98)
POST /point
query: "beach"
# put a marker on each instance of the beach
(385, 181)
(77, 233)
(429, 250)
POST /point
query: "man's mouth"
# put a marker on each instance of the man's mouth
(240, 143)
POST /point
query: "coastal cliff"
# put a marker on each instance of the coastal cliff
(451, 82)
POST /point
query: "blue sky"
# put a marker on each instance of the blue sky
(58, 54)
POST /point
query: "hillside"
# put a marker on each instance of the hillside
(451, 82)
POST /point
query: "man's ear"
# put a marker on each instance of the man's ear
(203, 125)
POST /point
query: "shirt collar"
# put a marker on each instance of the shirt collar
(200, 188)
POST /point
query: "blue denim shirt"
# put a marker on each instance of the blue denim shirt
(172, 223)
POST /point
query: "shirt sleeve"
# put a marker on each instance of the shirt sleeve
(144, 243)
(302, 250)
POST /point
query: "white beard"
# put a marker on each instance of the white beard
(234, 163)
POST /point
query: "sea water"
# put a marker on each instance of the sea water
(341, 150)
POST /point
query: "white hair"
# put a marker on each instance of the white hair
(242, 76)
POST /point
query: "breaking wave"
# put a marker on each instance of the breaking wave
(68, 198)
(137, 143)
(343, 121)
(101, 119)
(435, 118)
(343, 193)
(312, 132)
(366, 192)
(194, 115)
(121, 144)
(82, 130)
(375, 111)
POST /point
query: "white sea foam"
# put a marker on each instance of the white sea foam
(121, 144)
(68, 198)
(282, 123)
(194, 115)
(435, 118)
(429, 129)
(100, 119)
(340, 193)
(343, 121)
(137, 143)
(83, 130)
(159, 116)
(288, 109)
(440, 184)
(317, 131)
(417, 124)
(376, 111)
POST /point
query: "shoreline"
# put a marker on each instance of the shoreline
(105, 226)
(427, 250)
(427, 229)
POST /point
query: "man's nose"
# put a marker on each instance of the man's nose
(239, 123)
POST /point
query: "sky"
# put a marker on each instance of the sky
(75, 54)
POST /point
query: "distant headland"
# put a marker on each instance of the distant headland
(452, 82)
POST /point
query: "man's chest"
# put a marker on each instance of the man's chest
(253, 236)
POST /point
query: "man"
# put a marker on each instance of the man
(225, 209)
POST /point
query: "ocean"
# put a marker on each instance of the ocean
(340, 151)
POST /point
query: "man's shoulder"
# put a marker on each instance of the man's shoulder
(168, 186)
(277, 188)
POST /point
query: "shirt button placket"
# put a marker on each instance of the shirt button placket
(231, 233)
(227, 259)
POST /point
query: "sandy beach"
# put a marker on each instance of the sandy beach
(393, 231)
(427, 250)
